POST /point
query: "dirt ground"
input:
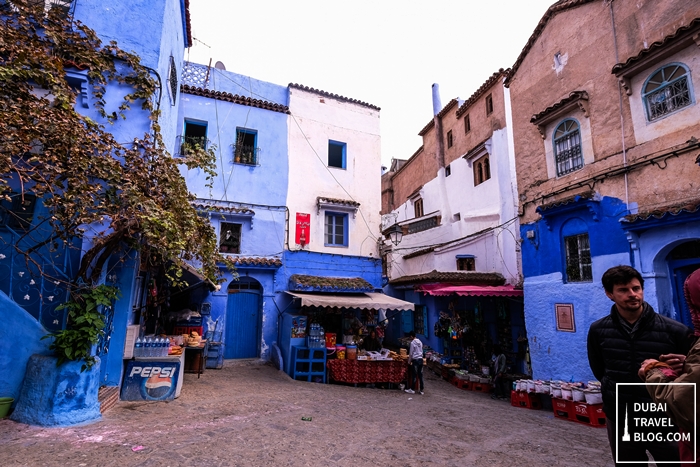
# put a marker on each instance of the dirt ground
(250, 414)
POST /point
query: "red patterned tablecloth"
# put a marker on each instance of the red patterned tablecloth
(367, 371)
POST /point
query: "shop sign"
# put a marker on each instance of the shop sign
(303, 229)
(150, 381)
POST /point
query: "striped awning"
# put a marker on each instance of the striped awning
(363, 301)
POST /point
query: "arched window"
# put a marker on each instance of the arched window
(567, 147)
(667, 90)
(479, 173)
(487, 169)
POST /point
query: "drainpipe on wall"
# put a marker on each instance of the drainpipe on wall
(446, 212)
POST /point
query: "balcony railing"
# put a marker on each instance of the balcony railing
(247, 155)
(187, 144)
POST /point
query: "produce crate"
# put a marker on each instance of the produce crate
(525, 400)
(179, 330)
(589, 414)
(563, 408)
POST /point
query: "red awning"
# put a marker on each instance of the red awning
(471, 290)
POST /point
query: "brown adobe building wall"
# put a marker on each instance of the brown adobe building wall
(584, 35)
(423, 165)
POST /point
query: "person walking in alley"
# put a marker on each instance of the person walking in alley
(415, 359)
(618, 344)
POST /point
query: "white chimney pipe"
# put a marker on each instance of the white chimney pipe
(437, 106)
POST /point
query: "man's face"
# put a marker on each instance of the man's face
(628, 297)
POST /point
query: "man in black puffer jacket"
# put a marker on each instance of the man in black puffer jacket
(620, 342)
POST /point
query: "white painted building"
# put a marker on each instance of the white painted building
(334, 168)
(457, 212)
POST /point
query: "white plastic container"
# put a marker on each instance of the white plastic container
(578, 395)
(593, 397)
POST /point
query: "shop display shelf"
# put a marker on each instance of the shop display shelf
(308, 364)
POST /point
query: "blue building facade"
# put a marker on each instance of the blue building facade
(160, 43)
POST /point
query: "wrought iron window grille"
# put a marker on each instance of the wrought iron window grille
(247, 155)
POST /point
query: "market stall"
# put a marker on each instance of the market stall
(336, 330)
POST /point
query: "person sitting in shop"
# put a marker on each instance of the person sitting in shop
(371, 343)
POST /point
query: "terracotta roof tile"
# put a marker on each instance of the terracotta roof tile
(680, 33)
(188, 24)
(574, 96)
(214, 207)
(456, 278)
(663, 211)
(301, 282)
(417, 253)
(256, 261)
(333, 96)
(342, 202)
(561, 5)
(482, 89)
(235, 98)
(571, 199)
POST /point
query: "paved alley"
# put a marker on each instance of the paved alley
(250, 414)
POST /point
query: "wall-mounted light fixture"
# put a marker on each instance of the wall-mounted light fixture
(395, 234)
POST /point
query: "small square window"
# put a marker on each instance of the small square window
(489, 104)
(578, 258)
(245, 151)
(467, 124)
(418, 207)
(195, 137)
(467, 263)
(448, 171)
(336, 154)
(336, 229)
(230, 238)
(449, 139)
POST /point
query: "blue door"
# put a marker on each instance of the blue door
(242, 332)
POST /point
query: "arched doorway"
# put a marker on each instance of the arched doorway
(243, 319)
(682, 261)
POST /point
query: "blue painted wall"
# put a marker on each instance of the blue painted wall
(20, 335)
(265, 183)
(558, 354)
(331, 265)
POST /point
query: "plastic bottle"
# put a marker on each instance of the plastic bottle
(138, 347)
(158, 348)
(321, 338)
(147, 347)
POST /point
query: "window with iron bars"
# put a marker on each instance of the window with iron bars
(567, 147)
(172, 80)
(245, 150)
(666, 91)
(578, 258)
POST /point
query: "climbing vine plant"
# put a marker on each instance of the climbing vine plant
(117, 194)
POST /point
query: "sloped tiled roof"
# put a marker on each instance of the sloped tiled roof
(440, 114)
(301, 282)
(574, 96)
(333, 96)
(188, 24)
(680, 33)
(256, 261)
(561, 5)
(235, 98)
(417, 253)
(482, 89)
(213, 207)
(461, 277)
(668, 210)
(337, 201)
(571, 199)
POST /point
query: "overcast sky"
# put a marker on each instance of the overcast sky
(384, 52)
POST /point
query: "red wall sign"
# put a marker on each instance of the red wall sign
(303, 228)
